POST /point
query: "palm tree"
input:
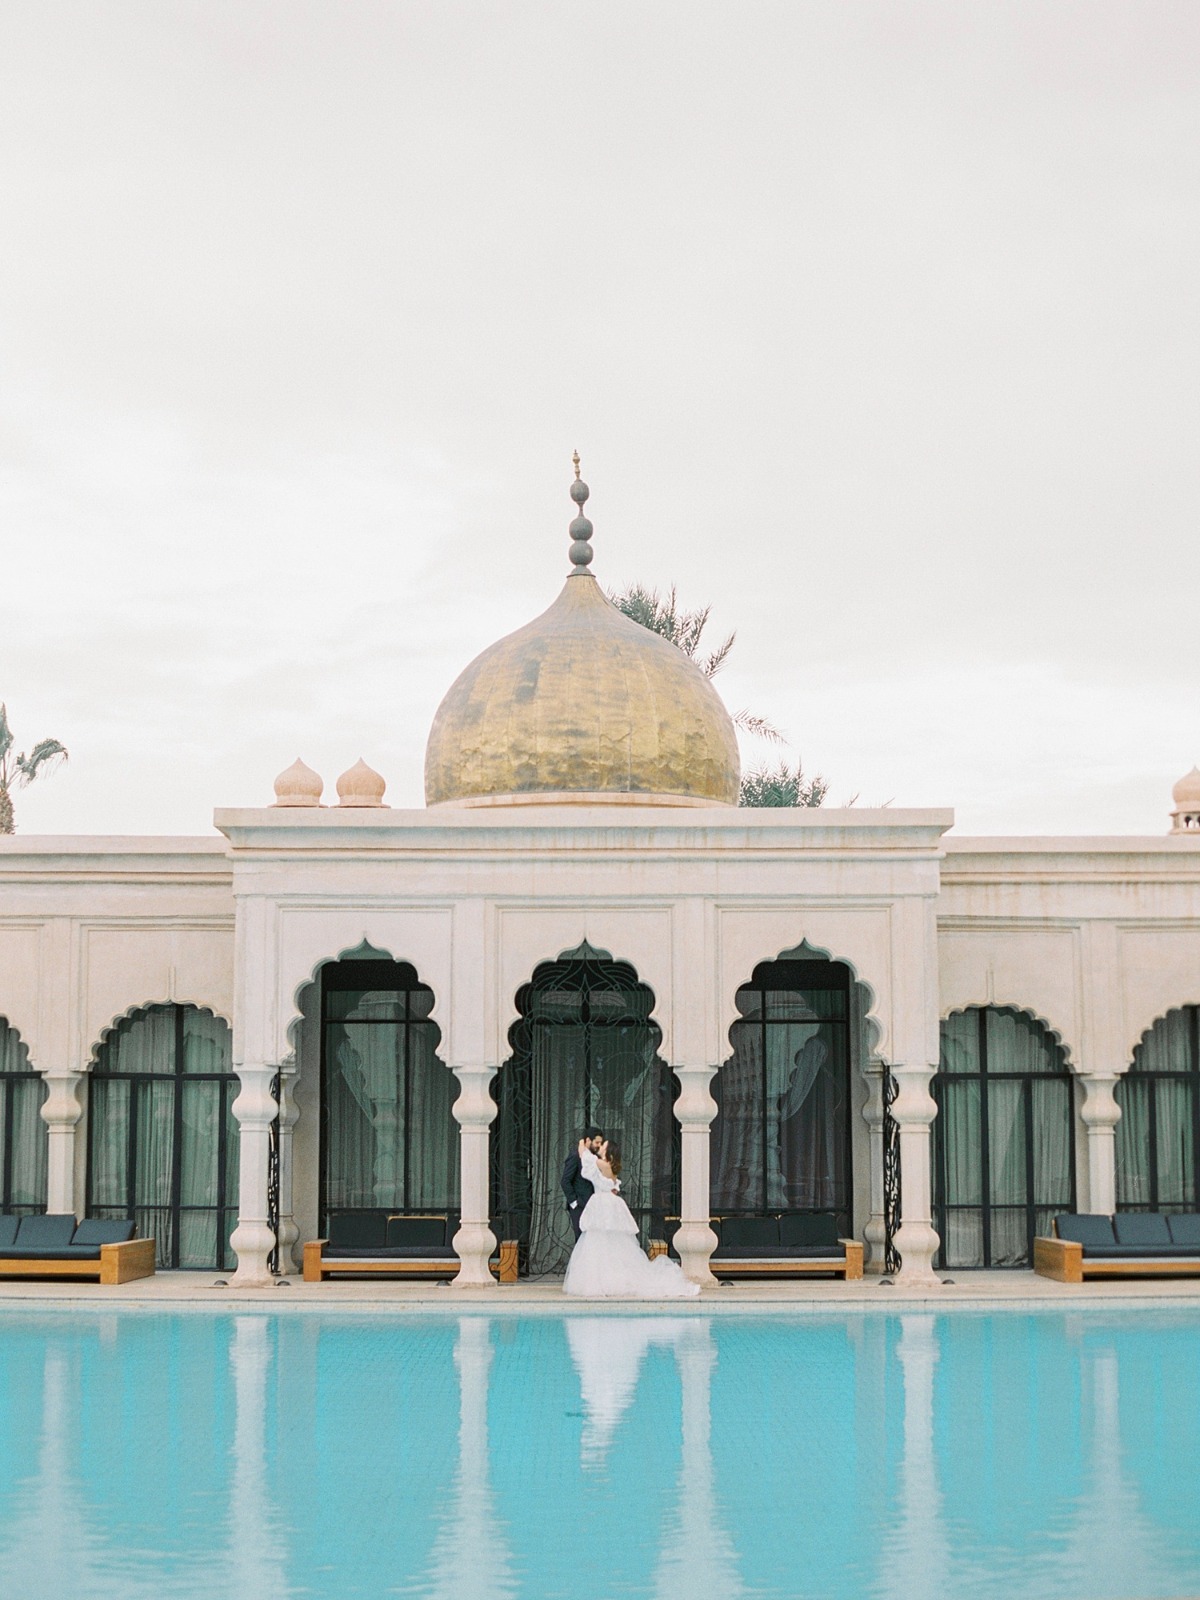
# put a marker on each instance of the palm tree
(776, 786)
(17, 772)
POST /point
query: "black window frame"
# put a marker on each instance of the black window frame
(798, 975)
(226, 1209)
(1190, 1076)
(8, 1082)
(986, 1208)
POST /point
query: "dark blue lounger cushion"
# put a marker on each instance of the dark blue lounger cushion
(1142, 1231)
(405, 1233)
(1185, 1230)
(1092, 1232)
(62, 1252)
(739, 1233)
(49, 1233)
(103, 1230)
(809, 1230)
(8, 1231)
(356, 1232)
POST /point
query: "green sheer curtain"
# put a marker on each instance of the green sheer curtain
(162, 1140)
(389, 1136)
(1004, 1137)
(23, 1134)
(1159, 1130)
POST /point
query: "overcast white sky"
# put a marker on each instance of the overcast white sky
(875, 325)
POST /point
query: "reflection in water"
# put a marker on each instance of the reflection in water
(1110, 1518)
(257, 1560)
(917, 1563)
(470, 1557)
(697, 1557)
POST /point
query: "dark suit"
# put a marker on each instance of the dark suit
(576, 1188)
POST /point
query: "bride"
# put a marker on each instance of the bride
(607, 1259)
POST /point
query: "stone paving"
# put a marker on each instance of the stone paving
(982, 1290)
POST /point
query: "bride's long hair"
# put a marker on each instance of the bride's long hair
(614, 1157)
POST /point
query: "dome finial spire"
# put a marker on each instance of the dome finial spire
(580, 529)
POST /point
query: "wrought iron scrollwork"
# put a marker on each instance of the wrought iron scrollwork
(273, 1176)
(891, 1175)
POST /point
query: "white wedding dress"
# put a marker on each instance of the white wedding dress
(607, 1258)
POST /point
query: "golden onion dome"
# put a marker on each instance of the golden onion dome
(582, 704)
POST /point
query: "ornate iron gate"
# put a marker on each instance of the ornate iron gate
(891, 1174)
(273, 1176)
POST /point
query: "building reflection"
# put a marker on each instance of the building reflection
(471, 1560)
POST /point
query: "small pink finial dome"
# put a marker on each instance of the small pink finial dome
(360, 786)
(1185, 818)
(298, 786)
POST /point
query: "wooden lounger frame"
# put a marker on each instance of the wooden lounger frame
(118, 1263)
(1064, 1261)
(317, 1267)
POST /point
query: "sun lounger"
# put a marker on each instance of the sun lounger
(55, 1246)
(1133, 1244)
(796, 1244)
(372, 1242)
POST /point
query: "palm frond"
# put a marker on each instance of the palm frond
(782, 785)
(757, 727)
(712, 664)
(6, 737)
(49, 753)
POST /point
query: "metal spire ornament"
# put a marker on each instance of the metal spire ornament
(580, 529)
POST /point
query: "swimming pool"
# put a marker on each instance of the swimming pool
(676, 1457)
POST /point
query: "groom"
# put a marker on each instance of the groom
(574, 1185)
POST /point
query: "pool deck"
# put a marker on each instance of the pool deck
(992, 1291)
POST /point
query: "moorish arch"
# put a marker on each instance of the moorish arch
(584, 1049)
(24, 1136)
(1004, 1138)
(1158, 1135)
(162, 1143)
(790, 1092)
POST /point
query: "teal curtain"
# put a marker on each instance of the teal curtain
(1004, 1151)
(23, 1134)
(160, 1121)
(1159, 1099)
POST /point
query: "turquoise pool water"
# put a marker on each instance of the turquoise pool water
(674, 1457)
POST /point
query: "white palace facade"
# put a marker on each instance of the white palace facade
(345, 1006)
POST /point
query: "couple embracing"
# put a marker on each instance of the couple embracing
(607, 1258)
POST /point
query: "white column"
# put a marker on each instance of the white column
(474, 1111)
(254, 1238)
(695, 1108)
(1101, 1113)
(289, 1115)
(61, 1113)
(875, 1232)
(914, 1110)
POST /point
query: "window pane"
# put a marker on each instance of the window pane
(1010, 1243)
(1018, 1043)
(1133, 1142)
(962, 1239)
(1006, 1143)
(1168, 1047)
(960, 1043)
(207, 1043)
(144, 1043)
(1176, 1157)
(108, 1141)
(1053, 1111)
(30, 1140)
(958, 1119)
(365, 1094)
(198, 1239)
(198, 1154)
